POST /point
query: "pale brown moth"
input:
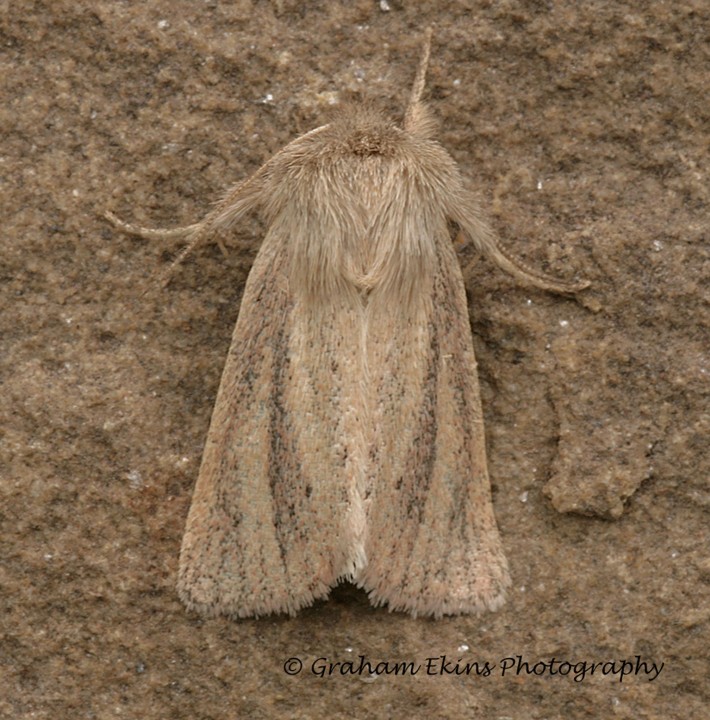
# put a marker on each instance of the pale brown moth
(347, 438)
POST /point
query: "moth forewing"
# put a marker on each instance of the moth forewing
(269, 527)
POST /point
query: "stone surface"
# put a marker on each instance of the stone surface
(584, 128)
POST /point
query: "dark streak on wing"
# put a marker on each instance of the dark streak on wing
(279, 423)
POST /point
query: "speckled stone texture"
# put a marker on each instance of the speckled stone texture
(583, 126)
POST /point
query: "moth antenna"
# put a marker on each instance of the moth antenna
(162, 234)
(237, 201)
(483, 238)
(195, 233)
(149, 233)
(415, 109)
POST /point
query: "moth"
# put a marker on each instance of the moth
(347, 438)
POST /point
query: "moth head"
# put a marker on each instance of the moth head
(363, 131)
